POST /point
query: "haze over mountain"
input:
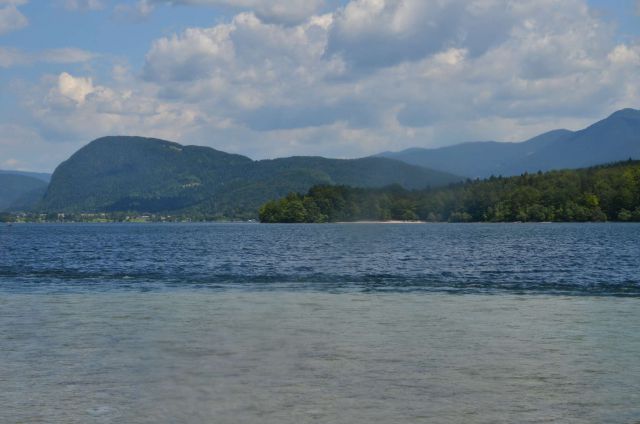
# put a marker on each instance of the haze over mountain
(18, 192)
(43, 176)
(612, 139)
(151, 175)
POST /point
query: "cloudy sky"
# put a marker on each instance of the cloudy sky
(335, 78)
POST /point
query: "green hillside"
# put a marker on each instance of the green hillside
(602, 193)
(136, 174)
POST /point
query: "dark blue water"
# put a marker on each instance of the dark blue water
(575, 259)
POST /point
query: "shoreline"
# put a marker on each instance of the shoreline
(381, 222)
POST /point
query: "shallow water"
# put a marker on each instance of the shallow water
(285, 357)
(319, 324)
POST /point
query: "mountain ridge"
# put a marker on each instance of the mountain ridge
(614, 138)
(43, 176)
(123, 173)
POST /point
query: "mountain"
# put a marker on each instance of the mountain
(140, 174)
(612, 139)
(477, 159)
(39, 175)
(20, 192)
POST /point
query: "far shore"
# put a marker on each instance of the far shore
(381, 222)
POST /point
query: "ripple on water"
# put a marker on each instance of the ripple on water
(576, 259)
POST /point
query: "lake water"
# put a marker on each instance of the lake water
(352, 323)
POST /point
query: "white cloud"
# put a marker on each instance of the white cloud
(84, 5)
(373, 75)
(65, 55)
(73, 88)
(76, 110)
(191, 55)
(134, 12)
(269, 76)
(283, 11)
(278, 11)
(10, 17)
(13, 57)
(625, 55)
(378, 33)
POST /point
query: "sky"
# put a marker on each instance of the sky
(336, 78)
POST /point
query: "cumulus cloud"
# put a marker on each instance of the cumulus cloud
(77, 109)
(625, 55)
(75, 89)
(372, 75)
(376, 57)
(10, 17)
(379, 33)
(189, 56)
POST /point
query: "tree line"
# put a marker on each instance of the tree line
(602, 193)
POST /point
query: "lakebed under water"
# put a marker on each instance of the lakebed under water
(240, 323)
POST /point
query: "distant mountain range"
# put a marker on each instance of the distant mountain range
(136, 174)
(612, 139)
(18, 192)
(150, 175)
(38, 175)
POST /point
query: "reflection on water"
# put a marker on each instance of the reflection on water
(315, 357)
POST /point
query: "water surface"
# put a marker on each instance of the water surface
(320, 324)
(578, 259)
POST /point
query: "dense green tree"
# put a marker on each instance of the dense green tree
(6, 217)
(610, 192)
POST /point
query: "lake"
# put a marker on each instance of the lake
(331, 323)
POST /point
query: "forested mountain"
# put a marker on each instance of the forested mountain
(612, 139)
(602, 193)
(19, 192)
(144, 175)
(150, 175)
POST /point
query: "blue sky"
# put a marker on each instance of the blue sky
(319, 77)
(623, 13)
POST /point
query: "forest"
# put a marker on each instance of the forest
(603, 193)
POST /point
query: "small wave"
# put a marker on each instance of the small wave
(60, 280)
